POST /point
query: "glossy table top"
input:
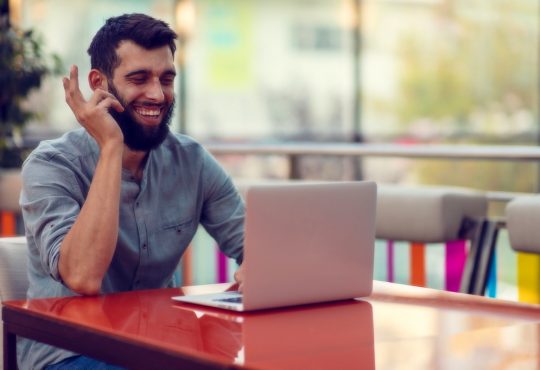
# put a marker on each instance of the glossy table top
(398, 327)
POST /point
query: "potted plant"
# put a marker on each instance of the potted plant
(23, 66)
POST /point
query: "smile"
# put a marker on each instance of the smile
(148, 111)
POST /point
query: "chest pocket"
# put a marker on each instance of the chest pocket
(175, 233)
(178, 226)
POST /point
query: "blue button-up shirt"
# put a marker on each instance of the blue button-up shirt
(182, 186)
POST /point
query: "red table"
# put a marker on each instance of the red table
(398, 327)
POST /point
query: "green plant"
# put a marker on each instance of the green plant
(23, 66)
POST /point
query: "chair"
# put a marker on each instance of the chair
(10, 211)
(448, 215)
(10, 186)
(523, 223)
(13, 278)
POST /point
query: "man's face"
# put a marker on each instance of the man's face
(144, 85)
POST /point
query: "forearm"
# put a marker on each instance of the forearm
(223, 210)
(224, 220)
(87, 249)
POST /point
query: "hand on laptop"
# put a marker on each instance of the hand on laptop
(239, 277)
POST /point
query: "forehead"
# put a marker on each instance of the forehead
(135, 57)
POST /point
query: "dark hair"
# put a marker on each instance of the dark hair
(145, 31)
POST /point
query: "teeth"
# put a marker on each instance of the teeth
(148, 112)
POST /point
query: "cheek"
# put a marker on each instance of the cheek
(128, 93)
(169, 94)
(129, 97)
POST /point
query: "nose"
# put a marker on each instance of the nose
(154, 91)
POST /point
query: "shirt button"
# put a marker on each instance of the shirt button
(144, 246)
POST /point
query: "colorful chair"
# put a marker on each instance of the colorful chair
(523, 223)
(422, 215)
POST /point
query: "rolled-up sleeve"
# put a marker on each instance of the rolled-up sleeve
(50, 202)
(223, 210)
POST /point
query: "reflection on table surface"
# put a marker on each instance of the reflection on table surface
(396, 328)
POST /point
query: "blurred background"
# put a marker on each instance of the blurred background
(378, 71)
(332, 71)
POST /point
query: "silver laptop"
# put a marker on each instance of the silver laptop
(304, 243)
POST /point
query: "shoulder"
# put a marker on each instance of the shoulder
(70, 146)
(74, 150)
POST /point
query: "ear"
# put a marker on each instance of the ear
(97, 79)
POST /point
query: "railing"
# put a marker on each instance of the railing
(510, 153)
(293, 151)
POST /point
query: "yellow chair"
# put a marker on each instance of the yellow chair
(523, 223)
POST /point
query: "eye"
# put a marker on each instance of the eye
(138, 80)
(167, 81)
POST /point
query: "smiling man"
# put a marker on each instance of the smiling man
(113, 205)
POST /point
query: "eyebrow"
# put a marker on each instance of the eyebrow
(169, 72)
(136, 72)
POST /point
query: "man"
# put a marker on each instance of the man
(113, 205)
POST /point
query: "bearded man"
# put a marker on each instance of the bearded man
(113, 205)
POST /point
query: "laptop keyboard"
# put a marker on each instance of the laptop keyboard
(231, 300)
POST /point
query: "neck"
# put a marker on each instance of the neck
(134, 161)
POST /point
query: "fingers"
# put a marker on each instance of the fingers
(74, 77)
(105, 99)
(75, 98)
(115, 104)
(239, 277)
(111, 102)
(71, 88)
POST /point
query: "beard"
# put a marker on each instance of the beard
(137, 136)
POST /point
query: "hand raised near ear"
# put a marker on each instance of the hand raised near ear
(93, 114)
